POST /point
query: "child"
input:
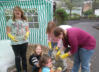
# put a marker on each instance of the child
(55, 44)
(35, 57)
(52, 41)
(45, 63)
(18, 31)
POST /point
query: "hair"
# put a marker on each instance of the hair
(58, 31)
(23, 17)
(44, 60)
(50, 26)
(36, 47)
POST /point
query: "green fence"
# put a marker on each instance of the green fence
(38, 12)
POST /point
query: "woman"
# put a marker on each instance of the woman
(82, 46)
(18, 32)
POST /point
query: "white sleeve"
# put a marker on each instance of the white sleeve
(65, 26)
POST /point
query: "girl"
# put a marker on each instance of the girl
(52, 41)
(18, 32)
(45, 64)
(35, 57)
(55, 44)
(82, 46)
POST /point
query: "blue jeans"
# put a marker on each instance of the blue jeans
(54, 44)
(83, 57)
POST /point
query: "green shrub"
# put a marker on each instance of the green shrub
(61, 16)
(74, 16)
(91, 16)
(89, 12)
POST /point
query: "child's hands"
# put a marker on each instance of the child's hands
(26, 35)
(12, 37)
(49, 44)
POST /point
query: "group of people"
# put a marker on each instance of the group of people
(80, 43)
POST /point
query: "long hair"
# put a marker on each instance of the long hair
(50, 26)
(44, 60)
(23, 17)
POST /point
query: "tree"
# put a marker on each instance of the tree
(61, 16)
(93, 6)
(69, 5)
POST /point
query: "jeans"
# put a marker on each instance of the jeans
(83, 57)
(20, 53)
(54, 44)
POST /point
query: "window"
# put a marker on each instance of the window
(32, 17)
(8, 14)
(31, 14)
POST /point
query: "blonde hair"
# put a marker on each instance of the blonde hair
(38, 45)
(23, 17)
(50, 26)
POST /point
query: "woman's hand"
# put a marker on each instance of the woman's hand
(65, 55)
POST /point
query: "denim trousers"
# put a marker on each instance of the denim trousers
(82, 57)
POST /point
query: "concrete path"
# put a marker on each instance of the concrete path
(88, 26)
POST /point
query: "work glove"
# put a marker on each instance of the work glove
(65, 55)
(50, 46)
(12, 37)
(56, 48)
(59, 69)
(58, 55)
(26, 35)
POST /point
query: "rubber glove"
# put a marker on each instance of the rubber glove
(49, 44)
(59, 69)
(63, 56)
(26, 35)
(12, 37)
(58, 53)
(56, 48)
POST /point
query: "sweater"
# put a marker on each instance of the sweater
(78, 38)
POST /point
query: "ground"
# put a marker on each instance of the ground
(92, 27)
(30, 51)
(89, 26)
